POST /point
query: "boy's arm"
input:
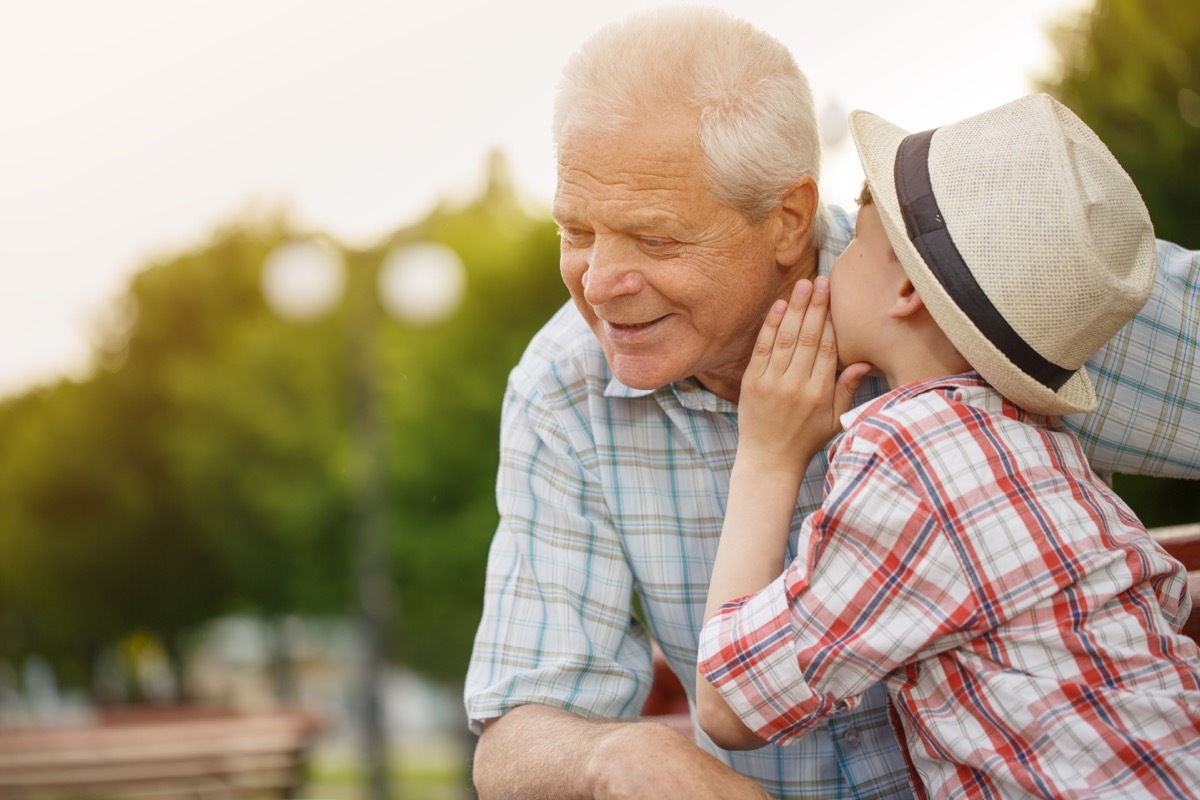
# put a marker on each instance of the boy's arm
(790, 404)
(749, 556)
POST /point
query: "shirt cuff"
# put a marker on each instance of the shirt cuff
(747, 651)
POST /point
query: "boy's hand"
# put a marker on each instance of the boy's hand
(791, 395)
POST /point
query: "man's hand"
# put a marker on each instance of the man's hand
(650, 760)
(541, 752)
(791, 394)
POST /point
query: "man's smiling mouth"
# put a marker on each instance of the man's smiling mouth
(633, 332)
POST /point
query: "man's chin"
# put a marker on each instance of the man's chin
(642, 382)
(644, 373)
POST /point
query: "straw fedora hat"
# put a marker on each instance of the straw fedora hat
(1027, 241)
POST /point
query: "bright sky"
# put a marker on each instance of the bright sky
(132, 128)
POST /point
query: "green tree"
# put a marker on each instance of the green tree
(444, 387)
(91, 548)
(1131, 70)
(206, 466)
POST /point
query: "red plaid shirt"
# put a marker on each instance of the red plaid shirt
(1022, 619)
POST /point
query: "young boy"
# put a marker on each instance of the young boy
(1022, 619)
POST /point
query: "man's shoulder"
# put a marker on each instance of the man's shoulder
(564, 356)
(841, 224)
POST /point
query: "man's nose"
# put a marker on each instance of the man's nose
(610, 274)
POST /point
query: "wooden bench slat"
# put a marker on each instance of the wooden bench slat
(230, 756)
(101, 750)
(135, 732)
(1183, 542)
(277, 773)
(223, 760)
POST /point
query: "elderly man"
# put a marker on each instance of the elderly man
(687, 198)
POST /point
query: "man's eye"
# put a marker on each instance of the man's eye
(654, 243)
(572, 235)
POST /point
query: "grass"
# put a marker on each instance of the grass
(425, 773)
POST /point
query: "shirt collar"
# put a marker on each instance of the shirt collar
(946, 384)
(688, 393)
(825, 259)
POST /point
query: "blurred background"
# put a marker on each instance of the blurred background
(266, 266)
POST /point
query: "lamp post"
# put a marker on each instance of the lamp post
(418, 284)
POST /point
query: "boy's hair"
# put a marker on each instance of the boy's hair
(864, 196)
(758, 127)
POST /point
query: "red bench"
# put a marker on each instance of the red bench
(667, 702)
(179, 755)
(1183, 542)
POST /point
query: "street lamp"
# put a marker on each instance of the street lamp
(418, 284)
(301, 280)
(422, 283)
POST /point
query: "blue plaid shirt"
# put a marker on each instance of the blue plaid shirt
(611, 502)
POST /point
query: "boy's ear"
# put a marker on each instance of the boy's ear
(908, 301)
(797, 212)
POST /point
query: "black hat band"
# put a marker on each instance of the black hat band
(928, 233)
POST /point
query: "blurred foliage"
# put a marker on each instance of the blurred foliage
(205, 466)
(1131, 70)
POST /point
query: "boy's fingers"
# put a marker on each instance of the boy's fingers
(789, 327)
(813, 327)
(847, 386)
(764, 345)
(825, 362)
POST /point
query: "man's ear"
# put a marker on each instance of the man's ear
(908, 301)
(797, 212)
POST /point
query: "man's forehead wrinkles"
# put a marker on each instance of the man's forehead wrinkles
(644, 204)
(634, 211)
(632, 180)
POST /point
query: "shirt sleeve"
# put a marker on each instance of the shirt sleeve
(557, 627)
(1148, 418)
(886, 589)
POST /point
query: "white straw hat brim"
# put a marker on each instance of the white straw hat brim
(878, 142)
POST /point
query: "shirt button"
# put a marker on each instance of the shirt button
(851, 737)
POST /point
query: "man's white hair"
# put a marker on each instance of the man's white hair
(758, 128)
